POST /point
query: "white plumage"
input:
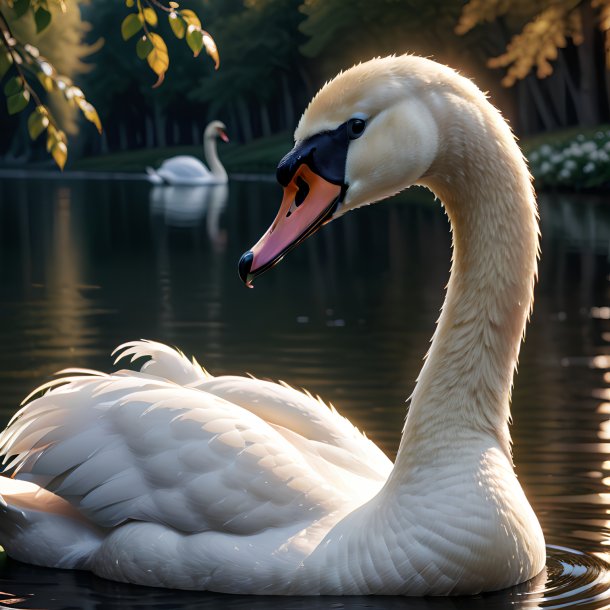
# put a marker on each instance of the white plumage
(172, 477)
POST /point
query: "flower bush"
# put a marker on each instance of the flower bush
(583, 162)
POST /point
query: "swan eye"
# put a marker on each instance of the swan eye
(355, 128)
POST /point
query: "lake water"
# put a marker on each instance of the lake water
(85, 266)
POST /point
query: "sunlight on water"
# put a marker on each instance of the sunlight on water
(84, 267)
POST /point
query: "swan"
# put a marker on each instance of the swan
(190, 171)
(172, 477)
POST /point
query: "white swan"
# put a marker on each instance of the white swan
(171, 477)
(190, 171)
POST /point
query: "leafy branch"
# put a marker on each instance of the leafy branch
(184, 24)
(26, 66)
(28, 75)
(548, 27)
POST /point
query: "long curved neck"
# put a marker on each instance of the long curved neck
(463, 390)
(211, 156)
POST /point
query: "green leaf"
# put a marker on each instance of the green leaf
(177, 24)
(190, 17)
(21, 7)
(150, 16)
(6, 61)
(158, 58)
(194, 39)
(42, 18)
(17, 102)
(131, 25)
(144, 47)
(38, 121)
(13, 86)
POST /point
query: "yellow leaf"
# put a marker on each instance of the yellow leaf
(150, 16)
(158, 58)
(211, 49)
(190, 17)
(51, 138)
(89, 111)
(60, 154)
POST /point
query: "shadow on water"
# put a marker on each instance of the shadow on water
(84, 267)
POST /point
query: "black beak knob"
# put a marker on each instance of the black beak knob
(245, 264)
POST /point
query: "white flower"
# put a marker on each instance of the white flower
(557, 158)
(545, 150)
(574, 149)
(570, 164)
(588, 168)
(534, 157)
(564, 174)
(545, 168)
(589, 146)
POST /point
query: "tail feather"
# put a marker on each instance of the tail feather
(153, 176)
(164, 362)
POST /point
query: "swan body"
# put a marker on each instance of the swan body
(171, 477)
(190, 171)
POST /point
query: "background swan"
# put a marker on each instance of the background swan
(172, 477)
(190, 171)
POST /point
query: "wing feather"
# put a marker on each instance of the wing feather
(139, 448)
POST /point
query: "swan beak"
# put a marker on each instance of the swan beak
(309, 202)
(222, 135)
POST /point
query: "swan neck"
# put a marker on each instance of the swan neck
(211, 156)
(463, 391)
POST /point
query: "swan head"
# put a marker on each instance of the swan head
(367, 134)
(216, 129)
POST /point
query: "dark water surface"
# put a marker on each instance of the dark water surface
(85, 266)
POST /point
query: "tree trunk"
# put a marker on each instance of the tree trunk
(195, 133)
(149, 133)
(104, 150)
(244, 119)
(288, 104)
(572, 90)
(587, 65)
(123, 143)
(265, 120)
(233, 120)
(160, 125)
(542, 107)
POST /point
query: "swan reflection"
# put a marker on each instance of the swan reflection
(188, 206)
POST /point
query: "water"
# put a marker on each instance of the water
(85, 266)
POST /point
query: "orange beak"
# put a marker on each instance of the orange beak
(309, 202)
(222, 135)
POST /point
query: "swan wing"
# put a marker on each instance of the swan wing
(333, 446)
(129, 446)
(184, 166)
